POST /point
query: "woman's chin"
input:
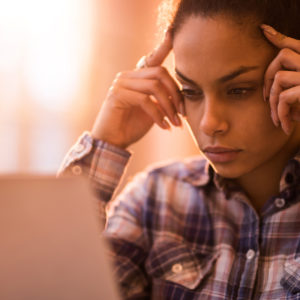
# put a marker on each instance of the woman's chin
(227, 171)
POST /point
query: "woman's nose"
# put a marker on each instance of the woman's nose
(213, 119)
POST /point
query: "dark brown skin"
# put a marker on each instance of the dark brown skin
(140, 98)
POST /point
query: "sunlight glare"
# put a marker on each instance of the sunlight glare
(52, 39)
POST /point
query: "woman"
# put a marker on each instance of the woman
(223, 227)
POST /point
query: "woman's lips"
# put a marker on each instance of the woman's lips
(221, 154)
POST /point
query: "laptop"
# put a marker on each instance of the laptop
(50, 242)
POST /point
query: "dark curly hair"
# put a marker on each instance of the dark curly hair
(284, 15)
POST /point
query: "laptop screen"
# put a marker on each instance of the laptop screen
(51, 247)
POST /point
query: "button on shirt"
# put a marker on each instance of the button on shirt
(250, 254)
(280, 202)
(181, 232)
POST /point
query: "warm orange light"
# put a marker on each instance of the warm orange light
(52, 38)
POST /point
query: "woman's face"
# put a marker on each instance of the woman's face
(221, 67)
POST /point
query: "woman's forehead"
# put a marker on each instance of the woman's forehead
(212, 31)
(218, 46)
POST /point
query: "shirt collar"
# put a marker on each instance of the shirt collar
(199, 173)
(291, 174)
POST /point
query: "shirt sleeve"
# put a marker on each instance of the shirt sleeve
(104, 165)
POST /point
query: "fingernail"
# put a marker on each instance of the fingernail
(268, 29)
(168, 29)
(181, 109)
(273, 119)
(286, 128)
(177, 120)
(165, 124)
(167, 32)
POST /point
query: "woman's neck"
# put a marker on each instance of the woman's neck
(264, 182)
(260, 186)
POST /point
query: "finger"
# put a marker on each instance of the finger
(287, 98)
(282, 81)
(159, 54)
(280, 40)
(163, 75)
(286, 59)
(144, 102)
(157, 89)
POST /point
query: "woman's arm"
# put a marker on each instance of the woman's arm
(136, 100)
(102, 163)
(139, 98)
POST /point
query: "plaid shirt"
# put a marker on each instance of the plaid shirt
(180, 232)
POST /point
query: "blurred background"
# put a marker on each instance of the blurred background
(57, 61)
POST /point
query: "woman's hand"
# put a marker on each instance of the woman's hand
(282, 80)
(137, 99)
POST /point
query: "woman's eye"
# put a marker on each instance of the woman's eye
(191, 94)
(239, 92)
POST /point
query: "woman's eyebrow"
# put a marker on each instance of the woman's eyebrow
(184, 78)
(235, 73)
(241, 70)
